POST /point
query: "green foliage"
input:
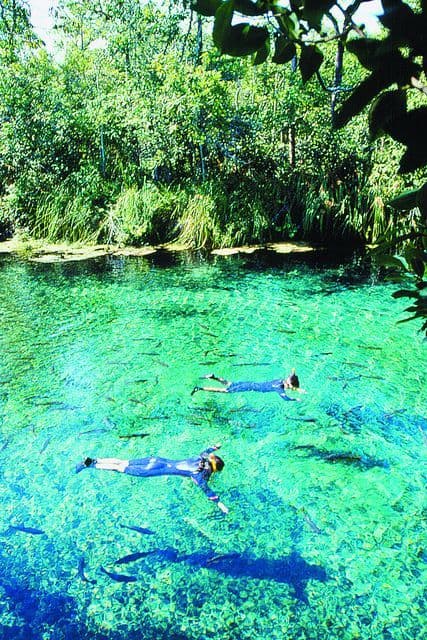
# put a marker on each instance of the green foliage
(140, 216)
(73, 211)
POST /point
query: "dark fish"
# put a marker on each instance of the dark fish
(135, 435)
(364, 462)
(313, 526)
(62, 406)
(140, 380)
(251, 364)
(44, 446)
(118, 577)
(31, 530)
(133, 556)
(220, 558)
(4, 445)
(149, 353)
(93, 431)
(138, 529)
(80, 571)
(136, 401)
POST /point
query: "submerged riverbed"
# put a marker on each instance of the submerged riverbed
(325, 537)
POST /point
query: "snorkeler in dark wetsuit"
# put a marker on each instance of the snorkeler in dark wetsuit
(199, 469)
(279, 386)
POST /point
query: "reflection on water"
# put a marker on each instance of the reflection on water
(326, 532)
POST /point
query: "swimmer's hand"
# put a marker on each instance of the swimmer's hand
(222, 507)
(217, 446)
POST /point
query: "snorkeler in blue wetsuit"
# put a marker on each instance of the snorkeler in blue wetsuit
(199, 469)
(279, 386)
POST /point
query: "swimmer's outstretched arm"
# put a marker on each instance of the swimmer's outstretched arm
(211, 495)
(211, 449)
(284, 396)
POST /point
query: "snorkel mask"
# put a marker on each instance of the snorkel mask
(212, 462)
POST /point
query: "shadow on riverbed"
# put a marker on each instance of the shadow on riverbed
(292, 569)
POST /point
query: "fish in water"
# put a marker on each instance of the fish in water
(95, 431)
(138, 529)
(81, 573)
(134, 435)
(362, 461)
(118, 577)
(45, 445)
(221, 558)
(30, 530)
(313, 526)
(133, 556)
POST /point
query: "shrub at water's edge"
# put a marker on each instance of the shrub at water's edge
(212, 214)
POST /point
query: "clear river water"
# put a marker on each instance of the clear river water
(326, 532)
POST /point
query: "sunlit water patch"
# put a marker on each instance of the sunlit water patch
(325, 537)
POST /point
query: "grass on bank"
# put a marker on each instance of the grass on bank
(212, 214)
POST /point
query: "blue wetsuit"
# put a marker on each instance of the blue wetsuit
(262, 387)
(198, 469)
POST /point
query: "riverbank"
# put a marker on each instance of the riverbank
(40, 251)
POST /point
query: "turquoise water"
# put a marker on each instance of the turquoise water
(326, 533)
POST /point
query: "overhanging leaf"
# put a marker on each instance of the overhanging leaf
(405, 293)
(405, 200)
(205, 7)
(411, 127)
(369, 51)
(284, 50)
(243, 39)
(222, 25)
(314, 10)
(249, 8)
(391, 261)
(422, 199)
(414, 157)
(289, 24)
(310, 60)
(361, 97)
(399, 18)
(262, 53)
(385, 109)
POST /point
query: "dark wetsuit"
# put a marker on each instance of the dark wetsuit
(262, 387)
(198, 469)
